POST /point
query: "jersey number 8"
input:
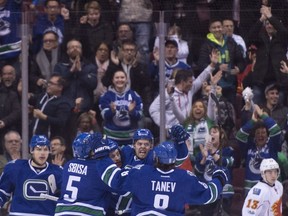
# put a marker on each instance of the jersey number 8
(161, 201)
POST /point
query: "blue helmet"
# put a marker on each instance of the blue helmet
(85, 143)
(103, 148)
(165, 152)
(143, 134)
(112, 145)
(39, 140)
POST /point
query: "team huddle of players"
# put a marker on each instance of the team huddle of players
(136, 180)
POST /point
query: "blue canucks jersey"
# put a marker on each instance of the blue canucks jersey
(130, 159)
(120, 124)
(83, 192)
(26, 184)
(205, 171)
(10, 20)
(162, 193)
(254, 155)
(120, 204)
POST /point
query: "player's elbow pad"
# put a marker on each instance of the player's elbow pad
(221, 175)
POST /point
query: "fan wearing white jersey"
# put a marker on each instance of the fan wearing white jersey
(265, 198)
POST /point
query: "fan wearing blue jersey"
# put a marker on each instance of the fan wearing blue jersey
(216, 152)
(29, 182)
(83, 192)
(163, 189)
(141, 152)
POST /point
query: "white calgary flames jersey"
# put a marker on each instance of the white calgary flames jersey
(264, 200)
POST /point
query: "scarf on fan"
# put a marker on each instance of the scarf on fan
(47, 67)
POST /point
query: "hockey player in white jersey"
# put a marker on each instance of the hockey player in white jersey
(265, 198)
(30, 181)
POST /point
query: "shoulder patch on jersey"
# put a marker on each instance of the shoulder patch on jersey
(256, 191)
(128, 167)
(12, 161)
(138, 166)
(190, 173)
(203, 184)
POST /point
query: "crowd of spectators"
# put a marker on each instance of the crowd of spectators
(94, 66)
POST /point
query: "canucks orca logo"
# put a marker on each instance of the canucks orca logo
(123, 113)
(209, 168)
(254, 164)
(121, 117)
(32, 188)
(4, 27)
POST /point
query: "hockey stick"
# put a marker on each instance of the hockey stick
(49, 197)
(34, 190)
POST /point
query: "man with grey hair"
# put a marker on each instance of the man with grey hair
(12, 148)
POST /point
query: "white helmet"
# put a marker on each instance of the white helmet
(268, 164)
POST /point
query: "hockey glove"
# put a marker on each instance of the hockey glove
(178, 134)
(221, 175)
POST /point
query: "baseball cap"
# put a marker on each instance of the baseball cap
(173, 42)
(271, 87)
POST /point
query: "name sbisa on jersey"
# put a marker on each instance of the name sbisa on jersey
(163, 186)
(78, 168)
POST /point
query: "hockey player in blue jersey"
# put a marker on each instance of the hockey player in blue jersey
(29, 182)
(115, 152)
(120, 204)
(83, 192)
(162, 189)
(142, 153)
(142, 150)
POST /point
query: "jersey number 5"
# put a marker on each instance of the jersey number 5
(161, 201)
(72, 189)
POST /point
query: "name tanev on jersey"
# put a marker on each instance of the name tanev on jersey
(163, 186)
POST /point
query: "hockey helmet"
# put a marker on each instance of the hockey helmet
(85, 143)
(143, 134)
(103, 147)
(165, 152)
(39, 140)
(268, 164)
(112, 145)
